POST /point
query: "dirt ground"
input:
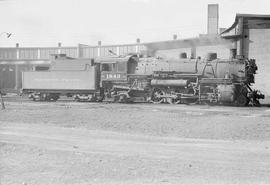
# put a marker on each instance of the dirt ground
(64, 143)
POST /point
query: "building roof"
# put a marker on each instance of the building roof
(253, 21)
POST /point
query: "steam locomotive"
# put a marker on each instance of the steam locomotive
(134, 78)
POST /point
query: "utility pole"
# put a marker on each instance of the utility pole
(1, 97)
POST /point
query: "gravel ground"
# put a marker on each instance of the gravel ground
(101, 143)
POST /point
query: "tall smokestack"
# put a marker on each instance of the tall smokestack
(212, 23)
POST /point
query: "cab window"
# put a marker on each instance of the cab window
(106, 67)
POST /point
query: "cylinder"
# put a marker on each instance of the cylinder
(226, 93)
(171, 82)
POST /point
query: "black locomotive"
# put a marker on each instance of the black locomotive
(133, 78)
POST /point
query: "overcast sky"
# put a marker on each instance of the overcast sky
(47, 22)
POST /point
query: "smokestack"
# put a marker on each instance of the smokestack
(212, 23)
(174, 37)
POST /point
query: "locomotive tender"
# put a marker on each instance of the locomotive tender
(132, 78)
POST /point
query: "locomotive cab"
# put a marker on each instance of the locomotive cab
(116, 69)
(114, 73)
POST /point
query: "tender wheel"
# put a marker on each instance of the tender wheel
(116, 98)
(76, 98)
(156, 96)
(55, 98)
(122, 98)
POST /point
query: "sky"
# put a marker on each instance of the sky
(44, 23)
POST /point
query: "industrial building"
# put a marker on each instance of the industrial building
(249, 36)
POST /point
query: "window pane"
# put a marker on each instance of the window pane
(106, 67)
